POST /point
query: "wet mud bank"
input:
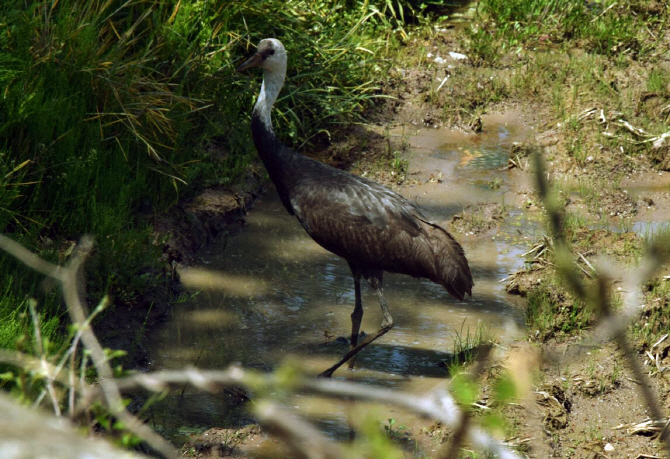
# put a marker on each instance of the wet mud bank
(188, 227)
(198, 221)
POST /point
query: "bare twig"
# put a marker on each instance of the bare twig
(587, 262)
(48, 375)
(68, 276)
(305, 440)
(27, 362)
(352, 352)
(611, 325)
(438, 404)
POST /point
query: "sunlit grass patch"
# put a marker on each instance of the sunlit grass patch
(553, 313)
(607, 28)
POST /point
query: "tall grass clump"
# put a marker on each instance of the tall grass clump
(109, 109)
(552, 312)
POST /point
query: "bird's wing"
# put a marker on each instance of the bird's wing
(358, 220)
(374, 227)
(355, 202)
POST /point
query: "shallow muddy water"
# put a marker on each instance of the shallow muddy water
(274, 294)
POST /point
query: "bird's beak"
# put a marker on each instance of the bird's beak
(254, 61)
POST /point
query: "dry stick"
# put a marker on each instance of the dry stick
(307, 441)
(39, 366)
(49, 376)
(460, 434)
(72, 354)
(67, 276)
(352, 352)
(614, 326)
(112, 393)
(71, 374)
(25, 361)
(437, 404)
(53, 373)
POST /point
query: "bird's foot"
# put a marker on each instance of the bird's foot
(344, 340)
(341, 340)
(355, 350)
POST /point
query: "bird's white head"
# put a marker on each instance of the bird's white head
(270, 56)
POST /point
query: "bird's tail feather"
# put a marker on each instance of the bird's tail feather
(450, 268)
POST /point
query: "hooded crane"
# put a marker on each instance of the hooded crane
(375, 229)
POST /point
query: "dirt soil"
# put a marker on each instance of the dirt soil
(190, 225)
(587, 406)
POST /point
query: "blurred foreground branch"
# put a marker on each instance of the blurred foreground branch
(69, 278)
(612, 325)
(437, 404)
(27, 433)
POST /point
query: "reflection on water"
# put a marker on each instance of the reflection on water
(487, 151)
(271, 293)
(650, 229)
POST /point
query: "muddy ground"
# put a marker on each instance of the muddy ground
(585, 406)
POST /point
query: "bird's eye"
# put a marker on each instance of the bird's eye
(272, 51)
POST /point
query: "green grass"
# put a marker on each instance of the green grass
(654, 321)
(16, 322)
(566, 52)
(18, 330)
(658, 81)
(113, 114)
(478, 89)
(552, 312)
(607, 28)
(466, 344)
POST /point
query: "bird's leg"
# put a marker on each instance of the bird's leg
(375, 281)
(387, 321)
(352, 352)
(356, 315)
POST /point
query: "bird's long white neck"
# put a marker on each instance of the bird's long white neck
(272, 84)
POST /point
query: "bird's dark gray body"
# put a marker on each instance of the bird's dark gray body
(375, 229)
(360, 220)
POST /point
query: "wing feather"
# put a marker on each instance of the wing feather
(375, 227)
